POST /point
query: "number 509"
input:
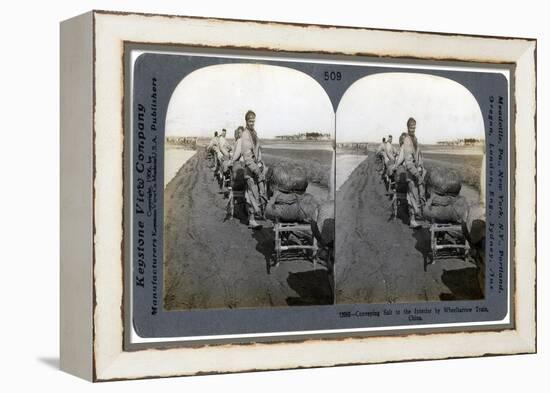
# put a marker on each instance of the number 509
(333, 75)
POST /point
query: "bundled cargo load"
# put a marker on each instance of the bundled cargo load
(238, 181)
(444, 181)
(475, 223)
(324, 226)
(474, 231)
(287, 177)
(400, 178)
(446, 209)
(292, 207)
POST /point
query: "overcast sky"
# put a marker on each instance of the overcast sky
(378, 105)
(286, 101)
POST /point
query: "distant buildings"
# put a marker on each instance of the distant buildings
(305, 136)
(463, 142)
(189, 141)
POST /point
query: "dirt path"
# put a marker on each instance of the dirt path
(214, 262)
(379, 260)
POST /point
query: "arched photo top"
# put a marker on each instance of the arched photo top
(378, 105)
(287, 102)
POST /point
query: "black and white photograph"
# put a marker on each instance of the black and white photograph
(251, 170)
(410, 204)
(248, 172)
(359, 192)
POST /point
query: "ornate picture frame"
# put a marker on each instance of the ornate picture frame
(110, 65)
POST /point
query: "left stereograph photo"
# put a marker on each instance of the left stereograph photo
(247, 216)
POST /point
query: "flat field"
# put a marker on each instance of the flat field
(468, 166)
(466, 160)
(316, 163)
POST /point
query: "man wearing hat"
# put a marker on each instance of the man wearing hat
(411, 158)
(255, 180)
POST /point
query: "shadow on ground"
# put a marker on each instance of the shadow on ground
(52, 362)
(265, 239)
(462, 283)
(312, 287)
(423, 243)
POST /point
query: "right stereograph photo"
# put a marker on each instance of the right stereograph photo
(410, 191)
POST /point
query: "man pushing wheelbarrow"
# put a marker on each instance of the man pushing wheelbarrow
(249, 154)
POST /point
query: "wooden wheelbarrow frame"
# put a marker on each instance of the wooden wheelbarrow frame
(281, 228)
(462, 248)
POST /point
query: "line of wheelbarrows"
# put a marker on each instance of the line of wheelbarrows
(302, 225)
(300, 222)
(456, 226)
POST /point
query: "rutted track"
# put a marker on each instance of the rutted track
(212, 262)
(379, 260)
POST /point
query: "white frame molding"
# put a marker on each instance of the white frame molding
(92, 321)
